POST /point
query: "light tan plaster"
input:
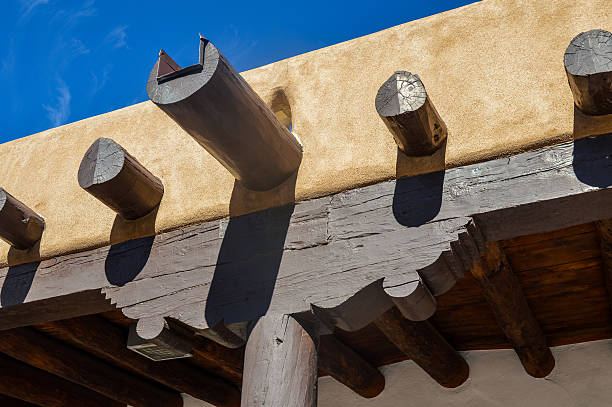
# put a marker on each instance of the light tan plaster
(494, 71)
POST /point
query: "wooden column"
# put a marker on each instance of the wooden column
(59, 359)
(422, 343)
(107, 341)
(20, 226)
(503, 292)
(280, 365)
(32, 385)
(118, 180)
(345, 365)
(404, 106)
(588, 64)
(212, 103)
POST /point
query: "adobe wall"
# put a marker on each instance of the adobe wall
(494, 70)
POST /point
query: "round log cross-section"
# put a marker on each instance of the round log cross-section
(212, 103)
(588, 63)
(20, 226)
(280, 365)
(404, 106)
(112, 175)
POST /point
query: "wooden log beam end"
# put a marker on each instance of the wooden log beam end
(20, 226)
(588, 64)
(407, 111)
(118, 180)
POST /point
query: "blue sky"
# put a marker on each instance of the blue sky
(62, 61)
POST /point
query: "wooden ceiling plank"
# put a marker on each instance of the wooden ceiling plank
(53, 356)
(21, 381)
(504, 294)
(422, 343)
(107, 341)
(345, 365)
(604, 227)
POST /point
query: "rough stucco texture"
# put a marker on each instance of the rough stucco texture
(494, 70)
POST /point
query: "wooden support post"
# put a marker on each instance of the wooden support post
(605, 238)
(403, 104)
(280, 365)
(118, 180)
(422, 343)
(588, 64)
(55, 357)
(107, 341)
(20, 226)
(345, 365)
(24, 382)
(503, 292)
(212, 103)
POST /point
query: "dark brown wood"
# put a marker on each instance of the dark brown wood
(20, 226)
(404, 106)
(106, 341)
(6, 401)
(32, 385)
(588, 64)
(53, 356)
(422, 343)
(212, 103)
(280, 366)
(345, 365)
(604, 228)
(118, 180)
(503, 292)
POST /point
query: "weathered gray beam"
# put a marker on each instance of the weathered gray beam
(212, 103)
(280, 364)
(410, 236)
(588, 64)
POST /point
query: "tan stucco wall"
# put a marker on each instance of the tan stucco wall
(494, 70)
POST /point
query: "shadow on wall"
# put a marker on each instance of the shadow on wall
(17, 283)
(417, 199)
(587, 163)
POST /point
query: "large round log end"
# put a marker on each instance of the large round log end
(588, 64)
(405, 108)
(20, 226)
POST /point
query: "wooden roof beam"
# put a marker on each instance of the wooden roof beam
(503, 292)
(21, 381)
(20, 226)
(53, 356)
(118, 180)
(346, 366)
(604, 227)
(107, 341)
(6, 401)
(588, 64)
(212, 103)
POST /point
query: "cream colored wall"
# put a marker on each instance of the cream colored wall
(581, 378)
(494, 70)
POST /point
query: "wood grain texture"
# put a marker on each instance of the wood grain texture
(23, 382)
(20, 226)
(106, 341)
(422, 343)
(221, 112)
(604, 228)
(7, 401)
(323, 252)
(588, 64)
(57, 358)
(404, 106)
(345, 365)
(503, 292)
(118, 180)
(280, 365)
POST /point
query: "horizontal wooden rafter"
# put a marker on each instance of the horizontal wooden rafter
(410, 239)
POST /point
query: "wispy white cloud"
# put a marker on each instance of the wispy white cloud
(117, 38)
(236, 47)
(28, 6)
(66, 19)
(7, 64)
(59, 113)
(98, 83)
